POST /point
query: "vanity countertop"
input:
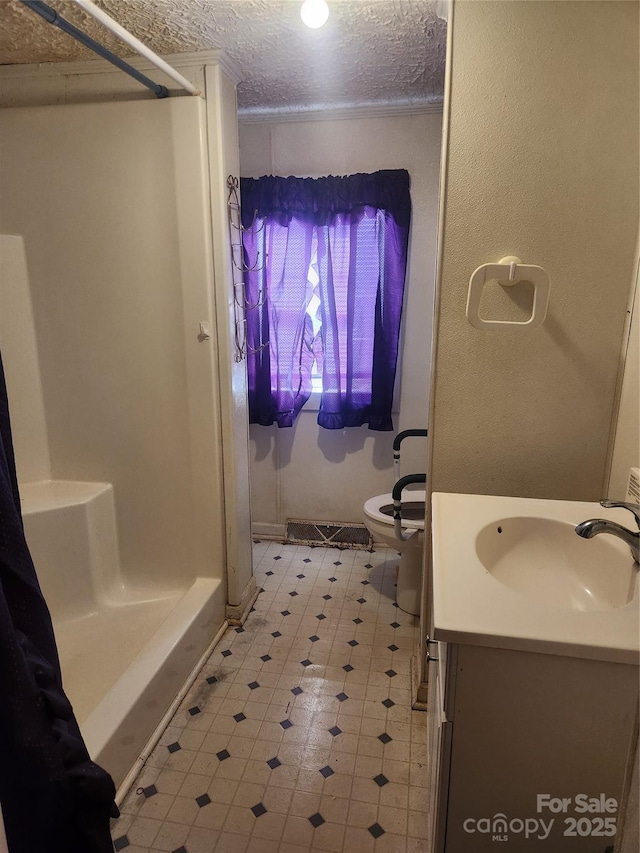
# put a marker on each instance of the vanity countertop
(472, 606)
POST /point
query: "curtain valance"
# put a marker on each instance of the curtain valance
(319, 200)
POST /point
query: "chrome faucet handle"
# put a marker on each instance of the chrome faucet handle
(634, 508)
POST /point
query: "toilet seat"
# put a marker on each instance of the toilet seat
(373, 505)
(410, 547)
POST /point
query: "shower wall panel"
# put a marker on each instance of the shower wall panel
(112, 202)
(21, 366)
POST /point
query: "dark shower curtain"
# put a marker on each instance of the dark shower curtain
(54, 798)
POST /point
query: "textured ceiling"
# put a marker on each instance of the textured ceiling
(369, 52)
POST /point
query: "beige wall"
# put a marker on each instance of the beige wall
(542, 164)
(306, 471)
(113, 205)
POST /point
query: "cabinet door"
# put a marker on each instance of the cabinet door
(530, 724)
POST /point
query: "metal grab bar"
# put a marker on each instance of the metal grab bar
(406, 433)
(397, 441)
(396, 494)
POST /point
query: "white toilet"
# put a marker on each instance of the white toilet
(378, 518)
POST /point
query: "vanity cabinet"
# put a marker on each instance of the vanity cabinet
(530, 750)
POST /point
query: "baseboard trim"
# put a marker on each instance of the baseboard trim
(264, 530)
(237, 613)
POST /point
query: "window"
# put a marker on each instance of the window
(326, 263)
(313, 312)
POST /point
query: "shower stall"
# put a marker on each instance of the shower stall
(106, 275)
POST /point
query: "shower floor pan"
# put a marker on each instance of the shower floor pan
(125, 652)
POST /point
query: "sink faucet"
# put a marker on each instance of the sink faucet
(593, 526)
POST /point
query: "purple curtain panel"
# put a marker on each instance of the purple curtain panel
(355, 231)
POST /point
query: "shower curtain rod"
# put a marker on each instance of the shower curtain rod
(52, 17)
(128, 38)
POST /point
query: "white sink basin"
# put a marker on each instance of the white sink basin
(513, 573)
(546, 560)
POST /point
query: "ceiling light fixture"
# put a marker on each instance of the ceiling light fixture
(314, 13)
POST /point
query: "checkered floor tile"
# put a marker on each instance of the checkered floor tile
(298, 734)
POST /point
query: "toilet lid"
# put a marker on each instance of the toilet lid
(374, 506)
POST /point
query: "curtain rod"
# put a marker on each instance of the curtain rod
(52, 17)
(117, 29)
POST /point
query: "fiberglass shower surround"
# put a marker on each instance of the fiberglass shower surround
(122, 505)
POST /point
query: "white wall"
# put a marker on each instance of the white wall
(21, 366)
(112, 201)
(306, 471)
(542, 164)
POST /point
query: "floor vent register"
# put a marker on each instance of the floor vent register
(328, 534)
